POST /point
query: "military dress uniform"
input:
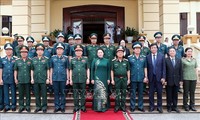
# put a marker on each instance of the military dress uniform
(109, 52)
(162, 48)
(120, 69)
(137, 66)
(23, 69)
(79, 69)
(40, 66)
(48, 51)
(59, 66)
(32, 52)
(7, 66)
(17, 48)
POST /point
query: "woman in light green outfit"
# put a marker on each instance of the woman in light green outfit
(100, 75)
(190, 73)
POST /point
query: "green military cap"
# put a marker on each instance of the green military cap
(45, 38)
(120, 48)
(15, 35)
(60, 45)
(30, 39)
(24, 48)
(70, 36)
(106, 34)
(93, 35)
(141, 38)
(8, 46)
(136, 45)
(158, 34)
(61, 34)
(20, 37)
(176, 37)
(78, 48)
(39, 46)
(77, 37)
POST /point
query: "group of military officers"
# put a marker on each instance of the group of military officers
(69, 64)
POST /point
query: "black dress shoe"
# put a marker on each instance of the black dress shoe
(63, 110)
(132, 109)
(75, 110)
(123, 109)
(56, 110)
(141, 109)
(13, 109)
(169, 110)
(160, 110)
(193, 108)
(44, 111)
(116, 110)
(84, 110)
(151, 109)
(186, 109)
(176, 110)
(37, 110)
(20, 110)
(28, 110)
(6, 109)
(1, 109)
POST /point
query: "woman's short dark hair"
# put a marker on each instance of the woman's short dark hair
(100, 49)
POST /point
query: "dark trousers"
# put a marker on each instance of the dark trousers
(59, 94)
(1, 97)
(172, 96)
(7, 88)
(189, 87)
(24, 90)
(137, 86)
(154, 84)
(40, 91)
(120, 87)
(79, 90)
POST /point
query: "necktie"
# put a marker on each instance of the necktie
(173, 62)
(154, 64)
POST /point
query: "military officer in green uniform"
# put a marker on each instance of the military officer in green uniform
(120, 77)
(32, 52)
(79, 77)
(91, 50)
(179, 49)
(138, 71)
(20, 40)
(78, 41)
(162, 48)
(40, 77)
(22, 75)
(144, 50)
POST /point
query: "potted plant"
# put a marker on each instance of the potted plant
(130, 33)
(54, 34)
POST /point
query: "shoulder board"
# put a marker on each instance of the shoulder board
(143, 56)
(125, 59)
(130, 55)
(85, 57)
(46, 57)
(73, 58)
(83, 45)
(102, 45)
(15, 57)
(114, 59)
(53, 55)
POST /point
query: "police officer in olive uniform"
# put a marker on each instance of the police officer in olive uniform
(162, 48)
(7, 76)
(138, 68)
(22, 75)
(20, 40)
(40, 77)
(32, 52)
(91, 50)
(120, 77)
(144, 51)
(48, 51)
(78, 41)
(59, 76)
(79, 77)
(179, 49)
(61, 38)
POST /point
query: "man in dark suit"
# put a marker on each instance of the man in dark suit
(173, 78)
(156, 76)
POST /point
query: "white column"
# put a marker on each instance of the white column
(192, 15)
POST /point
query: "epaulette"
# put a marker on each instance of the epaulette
(114, 59)
(73, 58)
(125, 59)
(83, 45)
(130, 55)
(46, 57)
(143, 56)
(53, 55)
(85, 57)
(15, 57)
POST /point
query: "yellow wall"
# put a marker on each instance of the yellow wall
(131, 10)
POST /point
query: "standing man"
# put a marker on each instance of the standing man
(59, 76)
(138, 67)
(144, 50)
(32, 52)
(7, 77)
(48, 51)
(120, 77)
(162, 48)
(22, 75)
(40, 77)
(15, 43)
(156, 76)
(70, 39)
(20, 41)
(79, 77)
(173, 78)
